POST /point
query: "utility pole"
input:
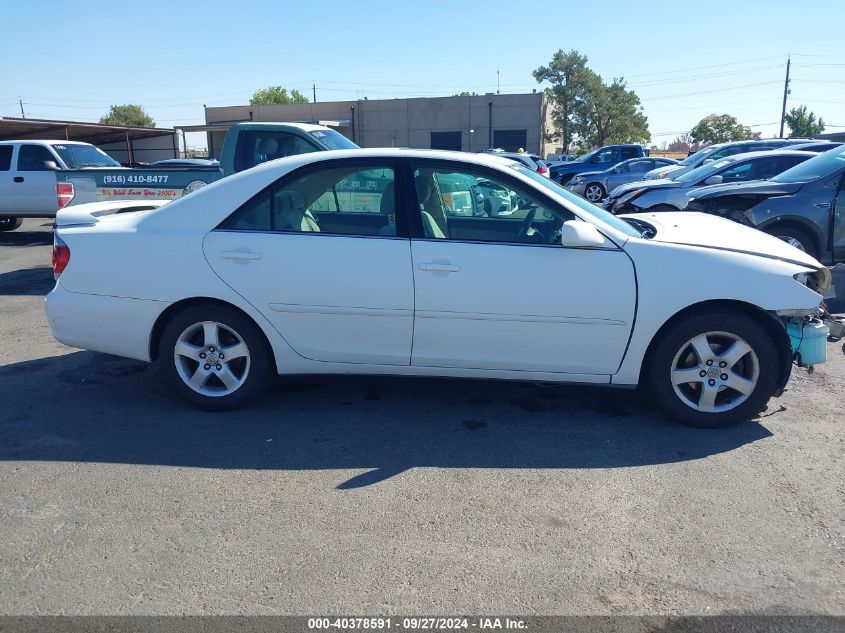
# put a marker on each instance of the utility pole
(314, 87)
(20, 101)
(785, 92)
(498, 86)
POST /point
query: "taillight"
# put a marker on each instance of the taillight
(61, 256)
(543, 170)
(64, 191)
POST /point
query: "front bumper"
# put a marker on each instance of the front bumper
(576, 188)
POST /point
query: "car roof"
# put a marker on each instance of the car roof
(41, 141)
(305, 127)
(766, 153)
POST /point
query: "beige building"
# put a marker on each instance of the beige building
(470, 124)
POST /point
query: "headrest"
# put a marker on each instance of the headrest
(268, 146)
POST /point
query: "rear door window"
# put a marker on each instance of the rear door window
(629, 152)
(35, 158)
(6, 157)
(257, 146)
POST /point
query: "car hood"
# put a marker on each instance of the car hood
(588, 173)
(755, 187)
(644, 184)
(666, 169)
(710, 231)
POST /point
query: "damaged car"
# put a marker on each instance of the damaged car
(671, 195)
(805, 205)
(350, 262)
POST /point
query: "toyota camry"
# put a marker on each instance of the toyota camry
(358, 262)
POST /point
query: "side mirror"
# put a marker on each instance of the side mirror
(707, 161)
(577, 233)
(51, 165)
(713, 180)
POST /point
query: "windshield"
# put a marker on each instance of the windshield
(702, 172)
(76, 156)
(821, 166)
(583, 205)
(333, 139)
(700, 155)
(585, 157)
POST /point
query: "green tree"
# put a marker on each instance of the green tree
(129, 114)
(719, 128)
(803, 124)
(612, 114)
(586, 110)
(568, 75)
(276, 95)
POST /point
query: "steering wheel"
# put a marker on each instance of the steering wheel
(526, 223)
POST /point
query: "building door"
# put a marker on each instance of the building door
(446, 140)
(510, 140)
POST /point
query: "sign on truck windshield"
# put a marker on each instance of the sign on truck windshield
(81, 156)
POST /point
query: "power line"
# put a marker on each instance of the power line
(690, 94)
(683, 70)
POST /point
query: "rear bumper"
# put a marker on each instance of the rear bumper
(112, 325)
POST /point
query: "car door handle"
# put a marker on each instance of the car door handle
(18, 178)
(822, 205)
(240, 255)
(436, 267)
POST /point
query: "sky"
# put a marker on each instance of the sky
(72, 60)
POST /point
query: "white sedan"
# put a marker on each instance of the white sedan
(356, 262)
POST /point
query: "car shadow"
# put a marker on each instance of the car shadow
(26, 238)
(37, 281)
(87, 407)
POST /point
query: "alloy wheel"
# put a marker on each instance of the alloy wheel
(211, 358)
(792, 242)
(593, 193)
(715, 372)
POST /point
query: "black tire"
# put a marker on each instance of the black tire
(602, 195)
(789, 232)
(10, 224)
(257, 372)
(673, 341)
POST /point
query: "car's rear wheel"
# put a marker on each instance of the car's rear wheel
(10, 224)
(795, 236)
(215, 357)
(594, 192)
(714, 370)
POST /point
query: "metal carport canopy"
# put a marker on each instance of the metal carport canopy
(94, 133)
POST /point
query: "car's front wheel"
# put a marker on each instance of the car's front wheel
(594, 192)
(796, 237)
(713, 370)
(10, 224)
(215, 357)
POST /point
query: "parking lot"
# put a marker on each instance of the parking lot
(397, 495)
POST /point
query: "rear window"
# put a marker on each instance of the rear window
(259, 146)
(820, 166)
(5, 157)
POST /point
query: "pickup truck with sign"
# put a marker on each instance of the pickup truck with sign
(246, 145)
(39, 177)
(27, 175)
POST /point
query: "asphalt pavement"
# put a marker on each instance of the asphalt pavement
(398, 495)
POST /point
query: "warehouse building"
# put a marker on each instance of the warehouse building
(463, 123)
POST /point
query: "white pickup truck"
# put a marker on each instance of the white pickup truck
(28, 176)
